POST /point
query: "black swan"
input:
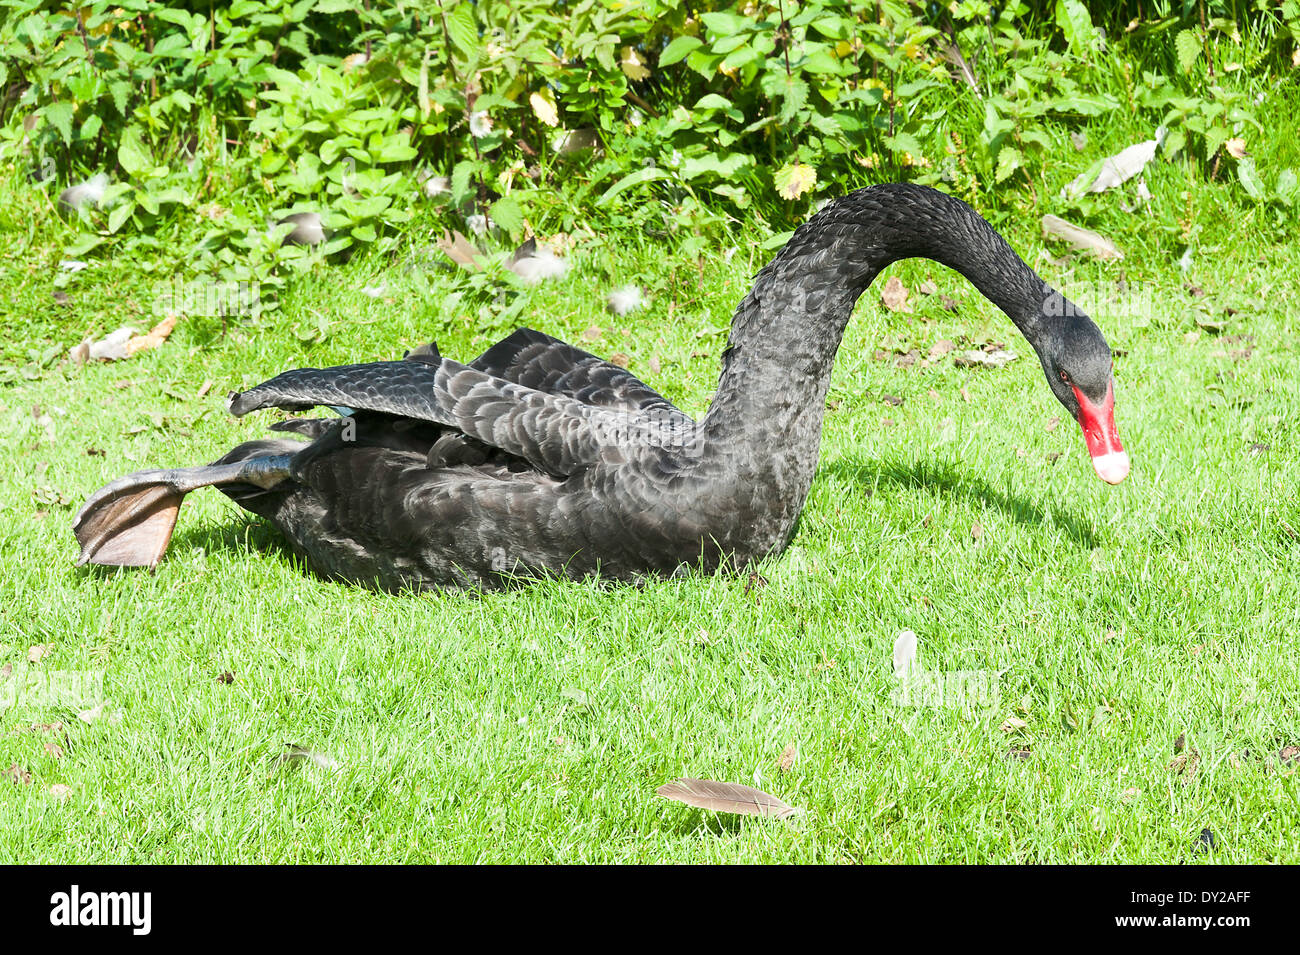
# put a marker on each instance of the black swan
(537, 457)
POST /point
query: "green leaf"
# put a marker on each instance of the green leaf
(121, 212)
(463, 29)
(59, 115)
(723, 167)
(1073, 19)
(132, 154)
(646, 174)
(1188, 45)
(820, 62)
(1248, 176)
(460, 181)
(905, 143)
(396, 148)
(794, 179)
(91, 127)
(678, 49)
(1287, 185)
(83, 245)
(1215, 137)
(1009, 160)
(794, 95)
(713, 101)
(725, 24)
(776, 241)
(507, 214)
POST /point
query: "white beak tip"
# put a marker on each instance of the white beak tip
(1112, 467)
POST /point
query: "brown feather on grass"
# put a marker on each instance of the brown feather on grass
(727, 797)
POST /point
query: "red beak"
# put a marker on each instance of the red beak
(1109, 459)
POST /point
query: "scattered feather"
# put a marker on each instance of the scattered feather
(535, 265)
(1079, 238)
(354, 60)
(480, 124)
(726, 797)
(374, 291)
(73, 265)
(433, 186)
(1115, 170)
(905, 654)
(298, 754)
(83, 194)
(962, 69)
(624, 300)
(577, 141)
(981, 359)
(307, 229)
(460, 251)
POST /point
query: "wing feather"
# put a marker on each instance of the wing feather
(554, 433)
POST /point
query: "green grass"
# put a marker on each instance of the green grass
(535, 725)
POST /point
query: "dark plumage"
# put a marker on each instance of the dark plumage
(540, 457)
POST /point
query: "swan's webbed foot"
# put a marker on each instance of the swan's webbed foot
(129, 522)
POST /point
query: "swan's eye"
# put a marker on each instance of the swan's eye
(1064, 377)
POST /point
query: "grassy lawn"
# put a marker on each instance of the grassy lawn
(534, 725)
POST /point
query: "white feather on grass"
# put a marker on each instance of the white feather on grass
(534, 264)
(83, 194)
(624, 300)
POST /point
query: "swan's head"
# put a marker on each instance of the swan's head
(1078, 365)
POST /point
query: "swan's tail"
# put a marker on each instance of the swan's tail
(129, 522)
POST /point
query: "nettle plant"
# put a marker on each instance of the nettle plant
(214, 124)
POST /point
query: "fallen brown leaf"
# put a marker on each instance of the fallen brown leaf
(894, 295)
(18, 776)
(788, 757)
(157, 335)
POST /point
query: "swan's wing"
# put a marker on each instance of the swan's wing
(547, 364)
(553, 433)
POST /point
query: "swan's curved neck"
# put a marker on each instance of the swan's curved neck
(767, 412)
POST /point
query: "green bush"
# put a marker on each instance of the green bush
(536, 115)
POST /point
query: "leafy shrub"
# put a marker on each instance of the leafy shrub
(534, 114)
